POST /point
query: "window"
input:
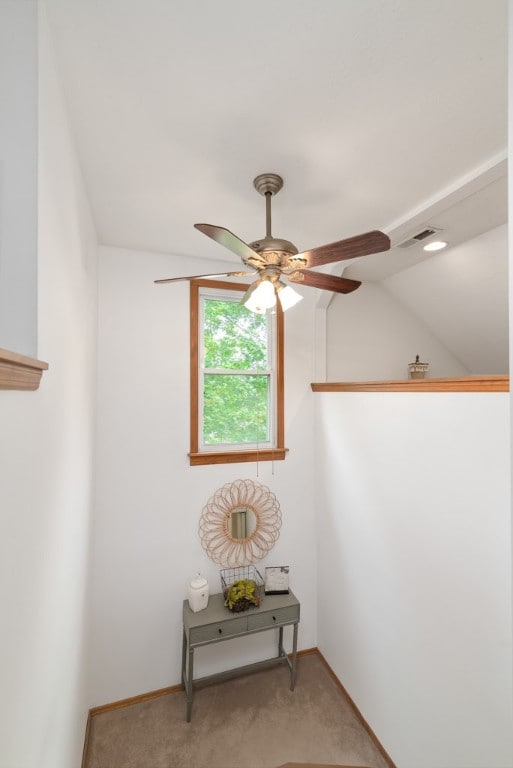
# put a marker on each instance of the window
(236, 378)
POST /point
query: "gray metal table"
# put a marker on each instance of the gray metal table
(216, 623)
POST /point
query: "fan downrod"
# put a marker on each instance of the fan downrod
(268, 182)
(276, 249)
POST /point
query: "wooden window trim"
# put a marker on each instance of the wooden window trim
(197, 457)
(20, 371)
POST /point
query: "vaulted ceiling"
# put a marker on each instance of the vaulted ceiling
(378, 115)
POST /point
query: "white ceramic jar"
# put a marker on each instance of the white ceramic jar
(198, 593)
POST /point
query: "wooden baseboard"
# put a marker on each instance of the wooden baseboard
(85, 751)
(134, 700)
(103, 708)
(358, 714)
(94, 711)
(100, 710)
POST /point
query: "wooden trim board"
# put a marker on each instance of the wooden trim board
(134, 700)
(463, 384)
(20, 371)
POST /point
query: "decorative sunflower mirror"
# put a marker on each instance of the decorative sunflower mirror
(240, 523)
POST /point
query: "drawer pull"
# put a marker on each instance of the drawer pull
(220, 631)
(274, 618)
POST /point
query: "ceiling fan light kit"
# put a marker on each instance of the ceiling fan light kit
(275, 259)
(260, 296)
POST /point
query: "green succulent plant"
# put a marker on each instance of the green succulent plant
(241, 595)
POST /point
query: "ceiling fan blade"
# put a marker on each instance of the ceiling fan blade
(321, 280)
(232, 242)
(197, 277)
(360, 245)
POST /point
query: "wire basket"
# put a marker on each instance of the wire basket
(242, 587)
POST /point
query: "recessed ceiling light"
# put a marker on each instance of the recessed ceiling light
(436, 245)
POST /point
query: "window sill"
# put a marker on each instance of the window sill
(464, 384)
(236, 457)
(19, 371)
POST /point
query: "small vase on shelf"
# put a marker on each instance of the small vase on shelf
(198, 593)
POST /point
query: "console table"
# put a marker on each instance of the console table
(216, 623)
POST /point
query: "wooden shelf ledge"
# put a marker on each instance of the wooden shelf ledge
(464, 384)
(19, 371)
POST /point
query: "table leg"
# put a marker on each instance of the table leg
(281, 650)
(184, 655)
(190, 676)
(293, 665)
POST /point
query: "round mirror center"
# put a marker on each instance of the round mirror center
(241, 523)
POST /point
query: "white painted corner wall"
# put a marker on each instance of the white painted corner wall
(149, 500)
(415, 570)
(46, 470)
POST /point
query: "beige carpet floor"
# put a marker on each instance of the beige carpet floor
(252, 721)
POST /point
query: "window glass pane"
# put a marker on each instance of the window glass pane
(236, 409)
(233, 337)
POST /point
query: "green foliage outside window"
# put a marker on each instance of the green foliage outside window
(235, 409)
(233, 337)
(235, 405)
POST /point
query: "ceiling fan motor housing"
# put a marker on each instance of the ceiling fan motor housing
(274, 244)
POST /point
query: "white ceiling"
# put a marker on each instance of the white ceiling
(378, 114)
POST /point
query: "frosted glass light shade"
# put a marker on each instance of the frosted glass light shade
(262, 298)
(288, 297)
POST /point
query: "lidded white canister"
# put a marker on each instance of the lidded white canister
(198, 593)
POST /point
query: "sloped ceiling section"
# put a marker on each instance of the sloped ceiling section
(462, 297)
(373, 337)
(377, 115)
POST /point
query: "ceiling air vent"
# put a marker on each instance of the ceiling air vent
(419, 237)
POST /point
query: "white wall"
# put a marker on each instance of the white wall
(510, 239)
(372, 336)
(461, 294)
(149, 500)
(18, 176)
(415, 570)
(46, 442)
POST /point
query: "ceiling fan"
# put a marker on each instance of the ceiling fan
(275, 260)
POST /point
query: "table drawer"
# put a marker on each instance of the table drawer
(287, 615)
(218, 630)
